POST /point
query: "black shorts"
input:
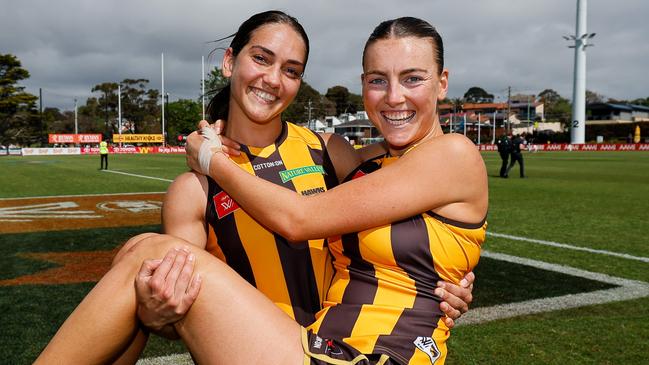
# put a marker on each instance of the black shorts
(323, 351)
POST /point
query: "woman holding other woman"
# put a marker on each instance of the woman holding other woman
(420, 217)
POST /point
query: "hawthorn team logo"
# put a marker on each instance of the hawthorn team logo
(429, 347)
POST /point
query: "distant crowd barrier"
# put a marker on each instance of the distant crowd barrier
(577, 147)
(58, 151)
(133, 150)
(51, 151)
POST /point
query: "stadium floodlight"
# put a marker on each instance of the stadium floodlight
(580, 39)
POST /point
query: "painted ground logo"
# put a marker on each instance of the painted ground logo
(74, 213)
(78, 212)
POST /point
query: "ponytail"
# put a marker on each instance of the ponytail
(219, 104)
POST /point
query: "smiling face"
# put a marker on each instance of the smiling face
(401, 86)
(265, 76)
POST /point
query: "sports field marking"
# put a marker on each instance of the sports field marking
(80, 195)
(136, 175)
(178, 359)
(570, 247)
(59, 210)
(626, 290)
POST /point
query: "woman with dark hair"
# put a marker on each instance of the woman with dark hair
(373, 290)
(295, 275)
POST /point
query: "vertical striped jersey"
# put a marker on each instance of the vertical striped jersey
(381, 300)
(294, 275)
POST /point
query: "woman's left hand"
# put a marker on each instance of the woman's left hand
(455, 298)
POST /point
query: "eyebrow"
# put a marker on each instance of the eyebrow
(271, 53)
(406, 71)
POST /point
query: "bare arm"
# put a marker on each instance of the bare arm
(343, 156)
(183, 210)
(446, 174)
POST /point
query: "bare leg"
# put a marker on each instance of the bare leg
(217, 329)
(132, 353)
(231, 322)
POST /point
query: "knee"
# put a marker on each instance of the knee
(136, 244)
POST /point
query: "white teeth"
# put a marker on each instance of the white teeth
(269, 98)
(398, 118)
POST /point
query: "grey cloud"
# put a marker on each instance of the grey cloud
(70, 45)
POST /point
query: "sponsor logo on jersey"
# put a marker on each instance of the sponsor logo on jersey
(265, 165)
(288, 175)
(317, 190)
(358, 174)
(429, 347)
(331, 348)
(224, 204)
(317, 342)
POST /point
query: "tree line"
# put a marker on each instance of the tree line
(23, 124)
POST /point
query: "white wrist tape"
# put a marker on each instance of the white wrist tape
(211, 145)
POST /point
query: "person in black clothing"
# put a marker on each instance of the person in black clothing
(504, 144)
(516, 155)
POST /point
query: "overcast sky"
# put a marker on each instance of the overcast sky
(68, 46)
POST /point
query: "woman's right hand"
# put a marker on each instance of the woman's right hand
(229, 147)
(201, 146)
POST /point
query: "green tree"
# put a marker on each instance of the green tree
(107, 102)
(90, 116)
(57, 121)
(477, 94)
(17, 107)
(557, 108)
(182, 116)
(593, 97)
(640, 101)
(140, 106)
(215, 81)
(298, 111)
(345, 101)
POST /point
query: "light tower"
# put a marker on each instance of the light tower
(580, 39)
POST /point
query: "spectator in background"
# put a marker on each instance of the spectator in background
(504, 144)
(103, 152)
(516, 155)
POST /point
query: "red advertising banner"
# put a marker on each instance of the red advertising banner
(133, 150)
(577, 147)
(74, 138)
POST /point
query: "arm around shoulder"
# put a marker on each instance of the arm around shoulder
(343, 156)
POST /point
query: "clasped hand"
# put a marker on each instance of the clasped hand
(165, 290)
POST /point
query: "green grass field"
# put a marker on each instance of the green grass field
(584, 211)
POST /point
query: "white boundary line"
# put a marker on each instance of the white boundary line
(136, 175)
(177, 359)
(570, 247)
(627, 289)
(80, 195)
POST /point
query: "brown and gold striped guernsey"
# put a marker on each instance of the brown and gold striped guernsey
(296, 275)
(381, 300)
